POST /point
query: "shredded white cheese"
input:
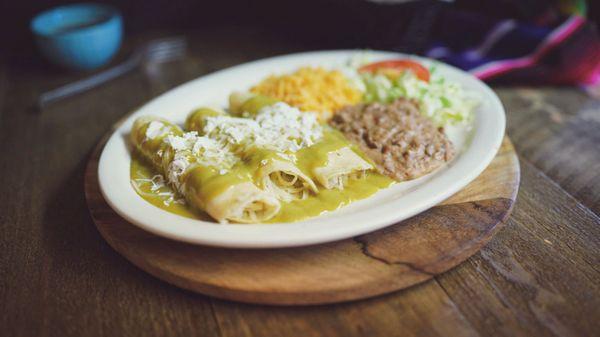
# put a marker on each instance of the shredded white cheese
(190, 148)
(157, 182)
(291, 124)
(279, 127)
(159, 188)
(156, 129)
(176, 168)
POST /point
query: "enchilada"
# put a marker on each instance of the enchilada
(206, 174)
(331, 161)
(273, 170)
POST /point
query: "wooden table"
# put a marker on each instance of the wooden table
(540, 276)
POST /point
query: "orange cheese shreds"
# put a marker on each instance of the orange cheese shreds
(311, 89)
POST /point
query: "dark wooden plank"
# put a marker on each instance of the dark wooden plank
(557, 130)
(59, 277)
(3, 83)
(539, 276)
(20, 241)
(123, 301)
(423, 310)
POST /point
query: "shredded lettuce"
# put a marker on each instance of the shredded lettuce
(445, 102)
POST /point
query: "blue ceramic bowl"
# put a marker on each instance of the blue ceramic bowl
(80, 36)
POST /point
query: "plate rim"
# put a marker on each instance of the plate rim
(255, 235)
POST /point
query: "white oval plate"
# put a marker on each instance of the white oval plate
(477, 147)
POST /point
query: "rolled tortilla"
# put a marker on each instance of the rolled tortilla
(196, 120)
(272, 171)
(226, 196)
(276, 172)
(333, 161)
(148, 135)
(246, 104)
(342, 164)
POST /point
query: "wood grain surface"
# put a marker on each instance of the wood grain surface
(536, 277)
(387, 260)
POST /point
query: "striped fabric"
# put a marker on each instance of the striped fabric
(564, 52)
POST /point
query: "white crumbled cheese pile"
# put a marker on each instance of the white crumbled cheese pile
(290, 123)
(231, 130)
(279, 127)
(156, 129)
(206, 151)
(176, 168)
(190, 148)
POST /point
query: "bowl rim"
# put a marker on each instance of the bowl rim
(112, 14)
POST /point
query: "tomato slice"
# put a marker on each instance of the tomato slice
(394, 68)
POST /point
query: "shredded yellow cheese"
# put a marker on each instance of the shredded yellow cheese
(311, 89)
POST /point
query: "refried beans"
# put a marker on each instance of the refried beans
(403, 143)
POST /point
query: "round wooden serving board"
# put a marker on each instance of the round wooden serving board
(390, 259)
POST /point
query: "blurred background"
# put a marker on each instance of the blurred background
(466, 33)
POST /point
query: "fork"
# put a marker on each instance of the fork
(155, 51)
